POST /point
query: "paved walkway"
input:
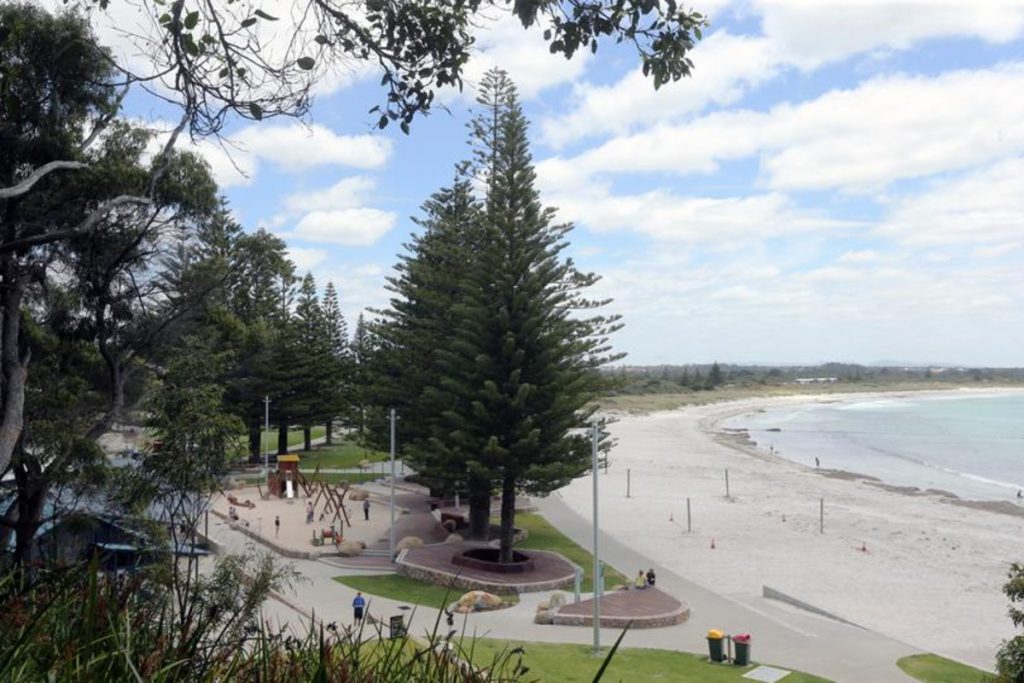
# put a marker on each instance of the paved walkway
(781, 635)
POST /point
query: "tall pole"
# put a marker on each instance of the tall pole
(597, 562)
(391, 532)
(266, 435)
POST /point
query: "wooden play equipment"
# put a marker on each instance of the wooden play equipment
(334, 501)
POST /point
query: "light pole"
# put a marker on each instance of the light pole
(391, 531)
(597, 562)
(266, 437)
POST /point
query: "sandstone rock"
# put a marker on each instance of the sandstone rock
(557, 599)
(350, 548)
(453, 538)
(478, 601)
(409, 542)
(543, 617)
(357, 494)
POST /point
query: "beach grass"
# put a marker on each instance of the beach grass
(542, 536)
(404, 589)
(936, 669)
(568, 663)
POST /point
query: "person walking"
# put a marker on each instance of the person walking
(366, 509)
(277, 525)
(309, 513)
(358, 605)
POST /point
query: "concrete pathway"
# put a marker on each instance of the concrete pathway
(781, 635)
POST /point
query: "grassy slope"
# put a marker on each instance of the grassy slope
(936, 669)
(404, 589)
(543, 536)
(567, 663)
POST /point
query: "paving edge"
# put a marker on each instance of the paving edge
(772, 594)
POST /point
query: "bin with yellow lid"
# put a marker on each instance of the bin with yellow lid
(716, 653)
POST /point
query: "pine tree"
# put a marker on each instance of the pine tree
(339, 372)
(312, 360)
(714, 378)
(420, 318)
(522, 368)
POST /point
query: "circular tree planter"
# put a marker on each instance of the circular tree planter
(486, 559)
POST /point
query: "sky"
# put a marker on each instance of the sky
(835, 182)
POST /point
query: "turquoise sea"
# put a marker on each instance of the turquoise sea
(971, 445)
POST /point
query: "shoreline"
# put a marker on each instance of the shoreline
(921, 568)
(739, 440)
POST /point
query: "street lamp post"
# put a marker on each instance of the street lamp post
(597, 561)
(391, 532)
(266, 436)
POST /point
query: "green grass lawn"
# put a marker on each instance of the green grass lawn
(408, 590)
(936, 669)
(543, 536)
(340, 455)
(567, 663)
(296, 438)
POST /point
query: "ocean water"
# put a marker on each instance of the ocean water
(971, 445)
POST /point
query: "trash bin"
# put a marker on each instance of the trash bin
(716, 652)
(396, 626)
(742, 642)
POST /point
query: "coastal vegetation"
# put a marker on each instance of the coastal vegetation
(134, 301)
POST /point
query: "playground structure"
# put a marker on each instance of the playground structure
(288, 481)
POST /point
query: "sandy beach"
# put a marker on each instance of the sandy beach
(932, 571)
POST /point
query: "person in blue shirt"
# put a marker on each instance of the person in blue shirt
(358, 605)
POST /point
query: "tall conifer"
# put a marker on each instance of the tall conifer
(521, 370)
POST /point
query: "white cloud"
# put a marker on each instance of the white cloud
(358, 227)
(811, 33)
(984, 208)
(306, 259)
(726, 67)
(861, 256)
(796, 34)
(296, 147)
(347, 193)
(503, 42)
(664, 215)
(885, 129)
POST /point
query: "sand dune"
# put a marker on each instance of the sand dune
(931, 574)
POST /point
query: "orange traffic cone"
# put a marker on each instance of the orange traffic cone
(712, 544)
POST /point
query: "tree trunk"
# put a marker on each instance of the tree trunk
(282, 438)
(255, 447)
(328, 432)
(479, 509)
(31, 493)
(307, 438)
(508, 518)
(13, 362)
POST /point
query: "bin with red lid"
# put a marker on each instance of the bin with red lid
(742, 642)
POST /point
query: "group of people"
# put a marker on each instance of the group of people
(644, 580)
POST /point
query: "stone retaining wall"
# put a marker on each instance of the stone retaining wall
(441, 577)
(677, 616)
